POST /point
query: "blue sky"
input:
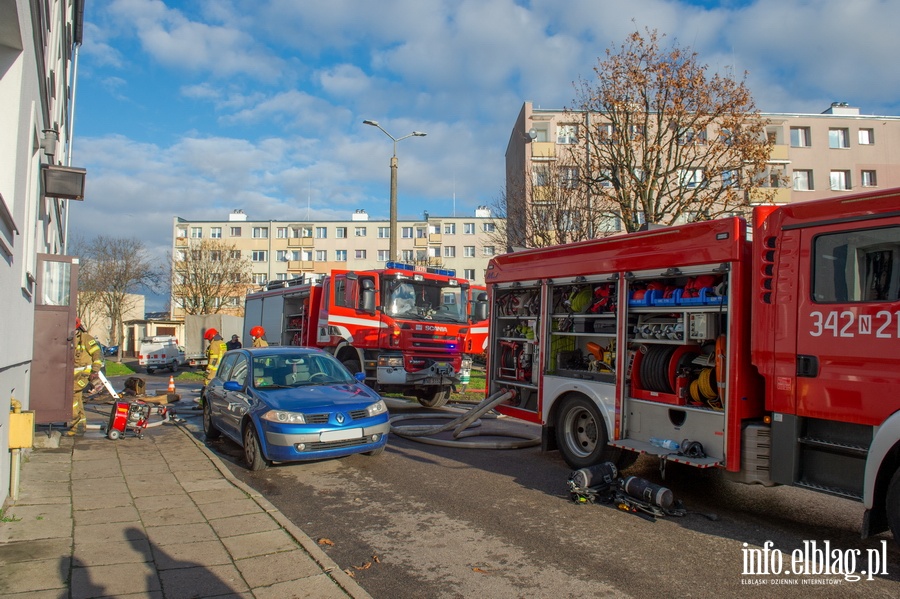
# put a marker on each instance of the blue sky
(198, 108)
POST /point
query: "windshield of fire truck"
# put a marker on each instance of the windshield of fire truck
(425, 300)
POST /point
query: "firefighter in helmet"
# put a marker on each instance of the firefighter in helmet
(258, 334)
(88, 362)
(214, 353)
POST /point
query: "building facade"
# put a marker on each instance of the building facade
(38, 41)
(814, 156)
(282, 250)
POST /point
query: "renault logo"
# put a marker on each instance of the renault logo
(339, 418)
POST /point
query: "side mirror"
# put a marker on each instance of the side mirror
(480, 311)
(233, 386)
(367, 297)
(360, 376)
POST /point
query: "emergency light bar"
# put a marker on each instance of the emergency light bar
(447, 272)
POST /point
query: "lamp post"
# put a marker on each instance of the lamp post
(392, 252)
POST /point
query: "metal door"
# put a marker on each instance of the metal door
(52, 371)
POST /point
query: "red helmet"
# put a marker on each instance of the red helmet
(257, 331)
(78, 324)
(209, 334)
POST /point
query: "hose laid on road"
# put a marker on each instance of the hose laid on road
(459, 424)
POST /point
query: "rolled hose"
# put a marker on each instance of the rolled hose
(459, 424)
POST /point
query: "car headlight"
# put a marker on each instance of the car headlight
(284, 417)
(376, 408)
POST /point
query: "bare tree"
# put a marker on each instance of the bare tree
(660, 140)
(112, 271)
(207, 274)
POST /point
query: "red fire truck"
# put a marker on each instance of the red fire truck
(773, 354)
(404, 325)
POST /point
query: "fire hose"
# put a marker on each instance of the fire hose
(459, 424)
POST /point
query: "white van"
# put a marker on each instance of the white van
(157, 353)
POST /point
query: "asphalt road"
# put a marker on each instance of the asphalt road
(422, 520)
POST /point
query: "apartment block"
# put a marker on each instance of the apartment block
(283, 250)
(814, 156)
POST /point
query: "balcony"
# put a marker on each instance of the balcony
(780, 153)
(543, 150)
(421, 242)
(434, 238)
(761, 196)
(303, 242)
(181, 241)
(300, 265)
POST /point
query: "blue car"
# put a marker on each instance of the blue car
(287, 404)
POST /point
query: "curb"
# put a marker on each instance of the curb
(328, 565)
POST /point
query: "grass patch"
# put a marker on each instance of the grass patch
(4, 517)
(191, 375)
(117, 369)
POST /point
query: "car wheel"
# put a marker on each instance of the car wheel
(376, 452)
(435, 398)
(209, 429)
(581, 434)
(174, 367)
(252, 449)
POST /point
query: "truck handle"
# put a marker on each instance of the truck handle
(807, 366)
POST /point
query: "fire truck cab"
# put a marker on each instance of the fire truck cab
(404, 326)
(773, 354)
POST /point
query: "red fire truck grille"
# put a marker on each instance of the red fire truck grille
(432, 341)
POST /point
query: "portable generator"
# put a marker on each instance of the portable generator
(132, 417)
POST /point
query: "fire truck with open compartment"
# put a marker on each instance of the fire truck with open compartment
(405, 326)
(771, 353)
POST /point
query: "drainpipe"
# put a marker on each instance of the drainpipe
(15, 463)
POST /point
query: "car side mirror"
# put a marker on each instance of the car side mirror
(233, 386)
(360, 376)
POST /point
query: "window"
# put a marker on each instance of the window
(468, 228)
(800, 137)
(838, 138)
(383, 255)
(321, 232)
(540, 175)
(421, 255)
(406, 232)
(857, 266)
(469, 251)
(281, 256)
(282, 276)
(360, 254)
(434, 252)
(294, 255)
(360, 231)
(449, 251)
(840, 180)
(567, 134)
(196, 232)
(605, 132)
(868, 179)
(215, 232)
(235, 231)
(488, 227)
(215, 256)
(487, 250)
(469, 273)
(235, 254)
(407, 255)
(449, 228)
(866, 137)
(259, 255)
(540, 132)
(730, 178)
(340, 255)
(434, 229)
(306, 255)
(420, 233)
(691, 178)
(340, 232)
(568, 177)
(234, 301)
(321, 255)
(384, 232)
(281, 232)
(260, 233)
(259, 278)
(236, 277)
(180, 256)
(803, 180)
(181, 232)
(692, 137)
(304, 232)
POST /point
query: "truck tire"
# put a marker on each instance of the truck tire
(435, 397)
(892, 506)
(353, 366)
(581, 434)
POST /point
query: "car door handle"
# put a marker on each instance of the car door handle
(807, 366)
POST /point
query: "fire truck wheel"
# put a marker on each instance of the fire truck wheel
(435, 398)
(209, 429)
(352, 365)
(893, 506)
(581, 434)
(252, 450)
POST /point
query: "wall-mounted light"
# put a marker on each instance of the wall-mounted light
(49, 142)
(63, 182)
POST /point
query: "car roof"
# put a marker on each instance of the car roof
(275, 350)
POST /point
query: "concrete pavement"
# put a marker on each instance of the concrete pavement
(157, 517)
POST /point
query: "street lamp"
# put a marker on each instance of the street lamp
(392, 252)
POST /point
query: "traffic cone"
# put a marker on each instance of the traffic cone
(171, 384)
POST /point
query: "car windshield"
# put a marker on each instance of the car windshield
(296, 370)
(425, 300)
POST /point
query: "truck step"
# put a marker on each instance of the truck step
(829, 490)
(848, 449)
